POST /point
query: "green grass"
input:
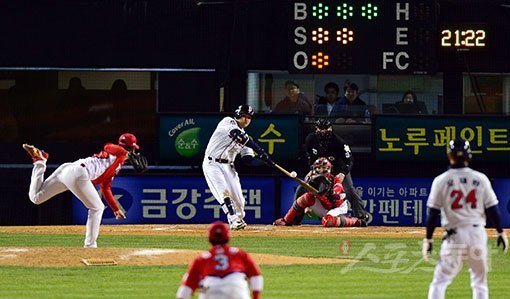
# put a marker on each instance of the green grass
(389, 268)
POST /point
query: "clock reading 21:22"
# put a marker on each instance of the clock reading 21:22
(464, 39)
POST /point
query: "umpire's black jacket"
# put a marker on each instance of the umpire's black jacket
(334, 148)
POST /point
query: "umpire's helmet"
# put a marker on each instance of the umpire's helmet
(323, 124)
(218, 233)
(243, 110)
(459, 151)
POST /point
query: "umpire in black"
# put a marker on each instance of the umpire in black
(324, 143)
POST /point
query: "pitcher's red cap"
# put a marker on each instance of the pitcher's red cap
(128, 139)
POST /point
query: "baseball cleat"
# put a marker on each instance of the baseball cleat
(238, 225)
(35, 153)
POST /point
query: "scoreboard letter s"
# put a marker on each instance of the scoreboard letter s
(300, 11)
(304, 59)
(300, 38)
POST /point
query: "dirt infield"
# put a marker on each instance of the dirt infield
(73, 256)
(200, 229)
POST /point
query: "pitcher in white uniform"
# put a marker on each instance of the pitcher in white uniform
(464, 197)
(227, 141)
(79, 177)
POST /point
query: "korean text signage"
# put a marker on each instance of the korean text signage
(426, 137)
(184, 137)
(370, 36)
(180, 200)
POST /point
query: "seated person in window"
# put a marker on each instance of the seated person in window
(353, 108)
(330, 104)
(294, 102)
(416, 107)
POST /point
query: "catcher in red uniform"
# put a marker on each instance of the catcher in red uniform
(222, 272)
(329, 204)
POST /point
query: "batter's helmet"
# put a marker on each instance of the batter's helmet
(243, 110)
(128, 140)
(459, 151)
(218, 233)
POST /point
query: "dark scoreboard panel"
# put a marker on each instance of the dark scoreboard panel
(363, 36)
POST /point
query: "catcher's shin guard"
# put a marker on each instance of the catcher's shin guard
(294, 215)
(342, 221)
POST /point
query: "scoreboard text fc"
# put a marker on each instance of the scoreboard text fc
(363, 36)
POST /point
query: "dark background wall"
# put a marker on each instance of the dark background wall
(229, 38)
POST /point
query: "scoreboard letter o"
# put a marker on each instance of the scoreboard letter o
(304, 63)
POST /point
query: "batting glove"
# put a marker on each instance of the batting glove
(426, 248)
(503, 240)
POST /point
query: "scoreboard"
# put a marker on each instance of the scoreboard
(365, 36)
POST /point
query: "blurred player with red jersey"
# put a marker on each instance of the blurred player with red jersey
(79, 177)
(222, 272)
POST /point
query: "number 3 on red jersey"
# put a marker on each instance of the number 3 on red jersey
(458, 195)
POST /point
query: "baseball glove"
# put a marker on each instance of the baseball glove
(138, 161)
(323, 184)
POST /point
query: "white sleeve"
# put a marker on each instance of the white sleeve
(184, 292)
(489, 197)
(247, 151)
(257, 283)
(435, 200)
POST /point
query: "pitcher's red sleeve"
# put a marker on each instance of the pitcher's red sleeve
(115, 150)
(106, 190)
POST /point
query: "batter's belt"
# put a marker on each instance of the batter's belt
(224, 161)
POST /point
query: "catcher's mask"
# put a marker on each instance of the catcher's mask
(459, 151)
(218, 233)
(128, 140)
(322, 166)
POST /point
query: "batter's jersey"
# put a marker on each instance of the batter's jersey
(222, 146)
(222, 265)
(462, 195)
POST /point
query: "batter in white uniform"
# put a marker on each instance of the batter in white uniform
(227, 141)
(464, 197)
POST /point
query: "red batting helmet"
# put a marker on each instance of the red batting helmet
(129, 140)
(218, 233)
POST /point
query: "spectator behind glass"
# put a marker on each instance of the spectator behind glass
(294, 102)
(353, 108)
(330, 104)
(409, 98)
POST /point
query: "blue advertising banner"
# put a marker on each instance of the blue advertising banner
(169, 199)
(502, 189)
(184, 137)
(397, 201)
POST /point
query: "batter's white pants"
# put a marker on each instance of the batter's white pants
(223, 181)
(75, 178)
(469, 243)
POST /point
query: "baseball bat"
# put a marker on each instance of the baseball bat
(298, 180)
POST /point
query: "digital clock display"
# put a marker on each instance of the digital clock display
(464, 38)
